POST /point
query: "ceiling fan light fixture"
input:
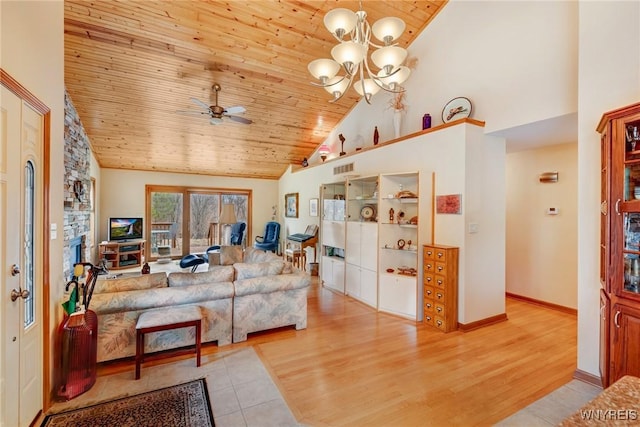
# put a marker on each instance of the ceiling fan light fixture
(217, 112)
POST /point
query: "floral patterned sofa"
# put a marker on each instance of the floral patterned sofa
(248, 291)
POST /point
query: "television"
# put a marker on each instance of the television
(125, 229)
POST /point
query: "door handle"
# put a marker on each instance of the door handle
(15, 294)
(615, 319)
(618, 206)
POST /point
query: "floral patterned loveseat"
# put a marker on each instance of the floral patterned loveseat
(242, 292)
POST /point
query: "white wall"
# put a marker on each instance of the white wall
(122, 193)
(464, 161)
(32, 52)
(515, 60)
(542, 255)
(609, 78)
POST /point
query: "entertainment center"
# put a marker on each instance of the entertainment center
(122, 254)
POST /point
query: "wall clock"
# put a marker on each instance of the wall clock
(457, 108)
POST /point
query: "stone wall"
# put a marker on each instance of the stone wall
(77, 185)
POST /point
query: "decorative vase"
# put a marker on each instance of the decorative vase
(426, 121)
(397, 121)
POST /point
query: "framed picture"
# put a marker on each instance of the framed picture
(313, 207)
(449, 204)
(291, 205)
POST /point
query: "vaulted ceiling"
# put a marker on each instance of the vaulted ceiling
(130, 66)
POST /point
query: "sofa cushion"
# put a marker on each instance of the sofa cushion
(252, 254)
(268, 284)
(142, 281)
(249, 270)
(121, 302)
(229, 255)
(215, 274)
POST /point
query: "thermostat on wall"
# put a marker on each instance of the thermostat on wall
(552, 211)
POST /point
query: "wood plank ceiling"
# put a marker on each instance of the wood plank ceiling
(130, 65)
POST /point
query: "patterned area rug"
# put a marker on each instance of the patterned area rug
(183, 405)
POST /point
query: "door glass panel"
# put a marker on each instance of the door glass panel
(632, 252)
(240, 204)
(28, 270)
(166, 220)
(203, 225)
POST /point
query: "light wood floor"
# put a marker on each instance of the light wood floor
(353, 366)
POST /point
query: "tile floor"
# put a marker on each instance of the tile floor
(240, 388)
(554, 407)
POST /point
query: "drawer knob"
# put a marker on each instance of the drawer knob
(440, 268)
(428, 292)
(440, 254)
(428, 279)
(439, 282)
(429, 266)
(428, 305)
(439, 309)
(439, 322)
(429, 253)
(439, 295)
(428, 318)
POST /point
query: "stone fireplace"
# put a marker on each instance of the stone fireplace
(77, 191)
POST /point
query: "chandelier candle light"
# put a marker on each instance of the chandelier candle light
(351, 55)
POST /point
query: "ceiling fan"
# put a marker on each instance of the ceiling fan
(216, 112)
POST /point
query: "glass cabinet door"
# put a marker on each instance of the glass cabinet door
(632, 252)
(629, 132)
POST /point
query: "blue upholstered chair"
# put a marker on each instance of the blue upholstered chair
(237, 233)
(271, 238)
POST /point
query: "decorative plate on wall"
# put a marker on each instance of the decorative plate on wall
(457, 108)
(368, 212)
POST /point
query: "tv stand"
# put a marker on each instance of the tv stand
(122, 254)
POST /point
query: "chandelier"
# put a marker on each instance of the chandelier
(353, 32)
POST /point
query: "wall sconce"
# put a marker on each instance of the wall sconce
(323, 151)
(548, 177)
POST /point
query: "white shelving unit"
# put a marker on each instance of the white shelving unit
(398, 244)
(332, 236)
(361, 256)
(370, 241)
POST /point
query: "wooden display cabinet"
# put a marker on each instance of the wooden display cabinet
(620, 243)
(119, 255)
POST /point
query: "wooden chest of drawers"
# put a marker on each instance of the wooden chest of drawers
(440, 284)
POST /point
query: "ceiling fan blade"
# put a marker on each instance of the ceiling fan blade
(240, 119)
(235, 110)
(193, 113)
(200, 103)
(215, 120)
